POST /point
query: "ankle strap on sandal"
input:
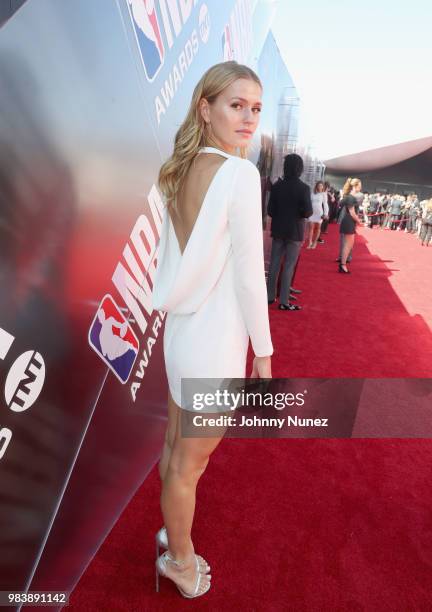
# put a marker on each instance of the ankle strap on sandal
(169, 557)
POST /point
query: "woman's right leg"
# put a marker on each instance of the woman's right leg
(170, 435)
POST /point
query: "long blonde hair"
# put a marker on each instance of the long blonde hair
(349, 184)
(193, 132)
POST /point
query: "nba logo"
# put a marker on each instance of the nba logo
(148, 35)
(113, 339)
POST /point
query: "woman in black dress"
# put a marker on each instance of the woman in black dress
(349, 220)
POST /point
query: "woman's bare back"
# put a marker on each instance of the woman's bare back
(191, 195)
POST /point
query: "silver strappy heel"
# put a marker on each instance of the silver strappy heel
(161, 566)
(162, 542)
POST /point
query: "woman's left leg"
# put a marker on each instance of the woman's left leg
(188, 460)
(170, 436)
(307, 236)
(348, 244)
(315, 233)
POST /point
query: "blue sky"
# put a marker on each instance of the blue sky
(363, 70)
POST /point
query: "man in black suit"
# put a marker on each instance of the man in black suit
(289, 205)
(395, 211)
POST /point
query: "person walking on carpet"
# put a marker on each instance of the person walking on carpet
(349, 221)
(320, 209)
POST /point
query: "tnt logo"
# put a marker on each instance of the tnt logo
(23, 385)
(148, 34)
(25, 381)
(113, 339)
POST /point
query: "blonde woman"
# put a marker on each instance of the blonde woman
(210, 280)
(315, 220)
(349, 221)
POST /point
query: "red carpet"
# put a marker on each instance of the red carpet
(308, 525)
(375, 322)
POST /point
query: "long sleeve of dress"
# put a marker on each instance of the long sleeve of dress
(245, 224)
(325, 204)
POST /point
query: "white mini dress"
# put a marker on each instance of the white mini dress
(215, 293)
(317, 207)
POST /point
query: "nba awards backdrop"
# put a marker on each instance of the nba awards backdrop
(91, 95)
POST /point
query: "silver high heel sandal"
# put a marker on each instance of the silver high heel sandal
(162, 542)
(161, 565)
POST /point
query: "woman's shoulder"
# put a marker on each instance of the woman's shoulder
(244, 170)
(245, 165)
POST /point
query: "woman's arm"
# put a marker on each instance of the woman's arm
(245, 223)
(352, 212)
(325, 204)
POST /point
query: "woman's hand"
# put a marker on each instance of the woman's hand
(261, 367)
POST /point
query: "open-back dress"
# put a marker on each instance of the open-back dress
(214, 292)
